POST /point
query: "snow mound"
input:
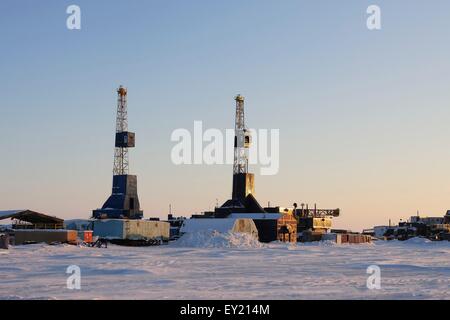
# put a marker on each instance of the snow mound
(418, 240)
(215, 239)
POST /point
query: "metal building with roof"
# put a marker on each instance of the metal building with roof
(28, 219)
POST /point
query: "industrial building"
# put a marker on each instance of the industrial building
(120, 218)
(273, 223)
(433, 228)
(33, 227)
(31, 220)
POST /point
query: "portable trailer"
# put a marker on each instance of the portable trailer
(24, 236)
(130, 232)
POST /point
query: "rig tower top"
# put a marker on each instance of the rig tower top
(124, 139)
(242, 139)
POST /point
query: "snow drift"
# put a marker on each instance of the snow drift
(219, 233)
(216, 239)
(276, 271)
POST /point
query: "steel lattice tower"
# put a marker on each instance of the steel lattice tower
(242, 139)
(121, 164)
(243, 182)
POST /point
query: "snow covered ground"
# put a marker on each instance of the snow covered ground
(415, 269)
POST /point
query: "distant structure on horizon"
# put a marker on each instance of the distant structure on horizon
(123, 202)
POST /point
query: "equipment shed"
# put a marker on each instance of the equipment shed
(27, 219)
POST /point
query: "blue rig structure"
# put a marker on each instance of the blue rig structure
(123, 202)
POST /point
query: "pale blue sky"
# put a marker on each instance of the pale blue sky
(363, 115)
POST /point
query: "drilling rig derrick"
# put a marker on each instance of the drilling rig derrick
(123, 202)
